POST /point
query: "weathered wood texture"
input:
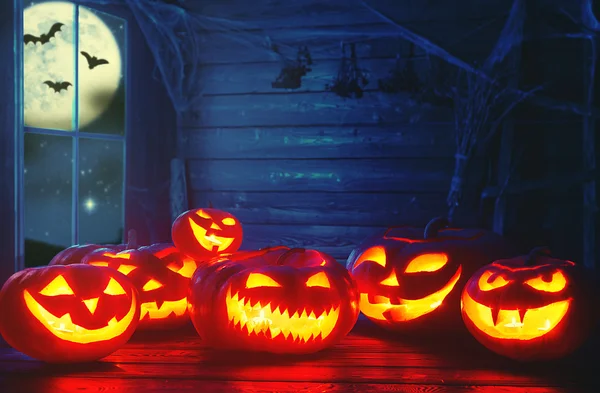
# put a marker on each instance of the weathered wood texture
(7, 140)
(368, 360)
(151, 142)
(305, 167)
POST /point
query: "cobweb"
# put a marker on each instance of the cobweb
(176, 36)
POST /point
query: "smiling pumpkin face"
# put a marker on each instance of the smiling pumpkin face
(205, 233)
(275, 300)
(528, 308)
(408, 280)
(80, 313)
(160, 274)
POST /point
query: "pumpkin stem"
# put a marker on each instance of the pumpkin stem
(131, 239)
(286, 254)
(535, 253)
(434, 226)
(210, 205)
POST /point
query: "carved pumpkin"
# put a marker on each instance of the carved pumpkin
(532, 307)
(76, 253)
(63, 314)
(277, 300)
(410, 280)
(205, 233)
(162, 284)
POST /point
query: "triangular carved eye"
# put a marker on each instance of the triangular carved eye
(187, 270)
(256, 280)
(57, 287)
(374, 254)
(318, 280)
(113, 288)
(126, 269)
(391, 280)
(152, 285)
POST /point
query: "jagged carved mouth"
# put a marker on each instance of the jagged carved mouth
(151, 310)
(300, 326)
(401, 310)
(210, 242)
(64, 328)
(524, 324)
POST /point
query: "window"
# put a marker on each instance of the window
(74, 106)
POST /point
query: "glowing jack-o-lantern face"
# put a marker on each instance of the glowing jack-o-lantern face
(277, 300)
(528, 307)
(406, 280)
(161, 275)
(205, 233)
(79, 312)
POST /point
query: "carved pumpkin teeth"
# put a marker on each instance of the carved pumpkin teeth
(522, 315)
(163, 309)
(271, 321)
(495, 312)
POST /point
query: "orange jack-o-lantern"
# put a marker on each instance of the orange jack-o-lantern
(65, 314)
(408, 280)
(277, 300)
(76, 253)
(205, 233)
(161, 282)
(532, 307)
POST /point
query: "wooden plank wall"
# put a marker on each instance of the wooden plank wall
(305, 167)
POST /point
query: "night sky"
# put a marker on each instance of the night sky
(48, 174)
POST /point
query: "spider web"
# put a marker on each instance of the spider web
(175, 35)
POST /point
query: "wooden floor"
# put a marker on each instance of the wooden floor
(366, 361)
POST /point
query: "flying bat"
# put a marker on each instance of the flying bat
(93, 61)
(44, 38)
(58, 86)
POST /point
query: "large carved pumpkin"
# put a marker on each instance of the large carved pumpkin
(277, 300)
(205, 233)
(532, 307)
(408, 279)
(62, 314)
(162, 284)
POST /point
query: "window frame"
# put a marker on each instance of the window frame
(75, 134)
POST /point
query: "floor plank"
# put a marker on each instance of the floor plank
(367, 360)
(91, 385)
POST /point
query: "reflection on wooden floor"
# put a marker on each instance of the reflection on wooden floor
(368, 360)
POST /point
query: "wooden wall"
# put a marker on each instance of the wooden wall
(305, 167)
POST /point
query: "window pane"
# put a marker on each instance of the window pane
(100, 191)
(101, 68)
(48, 65)
(48, 195)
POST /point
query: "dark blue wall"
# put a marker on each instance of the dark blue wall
(305, 167)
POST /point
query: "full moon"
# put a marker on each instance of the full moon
(55, 61)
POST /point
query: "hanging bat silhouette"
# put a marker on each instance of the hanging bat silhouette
(44, 38)
(93, 61)
(58, 86)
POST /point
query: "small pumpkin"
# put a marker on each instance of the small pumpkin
(162, 282)
(207, 232)
(277, 300)
(66, 314)
(411, 280)
(532, 307)
(76, 253)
